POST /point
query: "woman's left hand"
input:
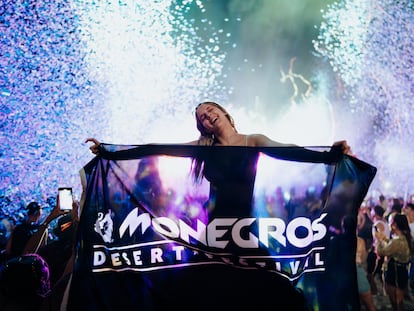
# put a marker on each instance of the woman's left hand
(346, 149)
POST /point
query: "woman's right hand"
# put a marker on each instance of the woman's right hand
(95, 147)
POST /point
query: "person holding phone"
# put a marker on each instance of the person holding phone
(375, 261)
(57, 258)
(60, 254)
(39, 238)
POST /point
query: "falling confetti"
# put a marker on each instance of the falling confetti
(105, 69)
(369, 44)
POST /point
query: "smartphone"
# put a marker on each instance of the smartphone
(65, 198)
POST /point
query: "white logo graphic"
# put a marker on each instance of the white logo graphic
(104, 226)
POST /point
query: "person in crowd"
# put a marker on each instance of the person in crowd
(379, 222)
(149, 188)
(409, 212)
(59, 253)
(34, 277)
(23, 231)
(396, 208)
(364, 287)
(397, 252)
(4, 236)
(364, 225)
(24, 283)
(374, 261)
(383, 201)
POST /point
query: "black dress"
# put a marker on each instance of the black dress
(231, 172)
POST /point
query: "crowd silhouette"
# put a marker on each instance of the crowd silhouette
(47, 244)
(36, 255)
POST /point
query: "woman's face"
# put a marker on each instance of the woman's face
(210, 117)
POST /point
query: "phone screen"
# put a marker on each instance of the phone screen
(65, 198)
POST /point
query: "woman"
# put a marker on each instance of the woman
(231, 176)
(397, 251)
(217, 128)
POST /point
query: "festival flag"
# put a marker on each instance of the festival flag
(261, 229)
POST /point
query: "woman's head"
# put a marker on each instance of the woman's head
(400, 222)
(202, 112)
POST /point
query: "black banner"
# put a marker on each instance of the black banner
(262, 229)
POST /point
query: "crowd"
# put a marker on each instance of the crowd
(36, 256)
(386, 228)
(40, 238)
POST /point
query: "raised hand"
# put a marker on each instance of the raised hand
(95, 147)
